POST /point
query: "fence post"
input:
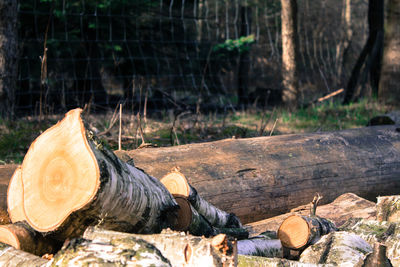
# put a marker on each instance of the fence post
(8, 56)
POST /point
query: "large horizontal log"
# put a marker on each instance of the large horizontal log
(262, 177)
(343, 208)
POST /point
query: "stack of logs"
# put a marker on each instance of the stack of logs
(75, 202)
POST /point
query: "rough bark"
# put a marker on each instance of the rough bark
(388, 209)
(337, 248)
(389, 87)
(256, 261)
(14, 198)
(290, 52)
(263, 177)
(374, 231)
(8, 56)
(181, 249)
(177, 184)
(71, 181)
(10, 256)
(339, 211)
(132, 252)
(21, 236)
(297, 232)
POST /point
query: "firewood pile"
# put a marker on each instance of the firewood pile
(73, 202)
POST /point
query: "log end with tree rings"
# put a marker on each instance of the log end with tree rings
(14, 197)
(184, 217)
(9, 237)
(294, 232)
(176, 183)
(60, 174)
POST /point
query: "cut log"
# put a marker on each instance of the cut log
(6, 171)
(10, 256)
(14, 197)
(190, 220)
(298, 232)
(388, 208)
(177, 184)
(70, 180)
(373, 231)
(339, 211)
(262, 177)
(256, 261)
(132, 252)
(21, 236)
(339, 249)
(181, 249)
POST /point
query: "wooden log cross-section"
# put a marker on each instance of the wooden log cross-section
(262, 177)
(70, 181)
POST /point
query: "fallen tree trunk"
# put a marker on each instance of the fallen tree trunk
(10, 256)
(179, 248)
(339, 211)
(262, 177)
(22, 236)
(388, 208)
(71, 181)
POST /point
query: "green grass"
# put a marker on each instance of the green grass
(16, 136)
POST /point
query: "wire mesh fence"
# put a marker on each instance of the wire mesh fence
(177, 54)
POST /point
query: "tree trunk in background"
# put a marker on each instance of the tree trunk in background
(244, 58)
(290, 48)
(8, 56)
(390, 83)
(343, 48)
(370, 57)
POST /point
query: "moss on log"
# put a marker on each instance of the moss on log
(179, 248)
(132, 252)
(388, 208)
(70, 181)
(256, 261)
(21, 236)
(262, 177)
(373, 231)
(337, 248)
(10, 256)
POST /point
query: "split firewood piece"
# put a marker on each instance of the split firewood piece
(256, 261)
(132, 252)
(337, 248)
(189, 220)
(378, 257)
(373, 231)
(261, 245)
(10, 256)
(297, 231)
(181, 249)
(177, 184)
(388, 208)
(21, 236)
(14, 197)
(70, 180)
